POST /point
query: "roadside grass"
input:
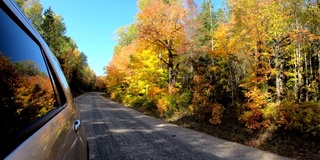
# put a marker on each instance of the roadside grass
(288, 143)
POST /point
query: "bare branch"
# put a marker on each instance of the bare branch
(159, 56)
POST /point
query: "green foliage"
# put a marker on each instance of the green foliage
(125, 35)
(209, 19)
(184, 99)
(142, 3)
(20, 3)
(52, 28)
(27, 68)
(133, 100)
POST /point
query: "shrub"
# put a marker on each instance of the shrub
(167, 105)
(252, 116)
(183, 99)
(117, 95)
(216, 113)
(138, 101)
(305, 117)
(150, 106)
(170, 103)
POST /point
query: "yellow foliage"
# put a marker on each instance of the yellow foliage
(146, 73)
(192, 109)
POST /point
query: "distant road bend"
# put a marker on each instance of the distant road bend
(117, 132)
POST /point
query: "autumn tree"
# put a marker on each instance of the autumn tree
(249, 41)
(253, 62)
(274, 54)
(100, 84)
(118, 70)
(162, 23)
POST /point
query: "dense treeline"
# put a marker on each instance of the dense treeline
(253, 62)
(52, 28)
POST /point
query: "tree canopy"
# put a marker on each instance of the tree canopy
(257, 62)
(52, 28)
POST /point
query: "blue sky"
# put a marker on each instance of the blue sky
(92, 25)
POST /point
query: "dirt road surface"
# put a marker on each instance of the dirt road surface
(118, 132)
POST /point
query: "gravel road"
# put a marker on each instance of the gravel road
(117, 132)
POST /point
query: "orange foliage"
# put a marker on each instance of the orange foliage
(118, 68)
(202, 106)
(161, 22)
(155, 92)
(216, 113)
(162, 105)
(255, 104)
(36, 92)
(30, 96)
(303, 36)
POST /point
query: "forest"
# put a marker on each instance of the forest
(79, 75)
(249, 63)
(255, 63)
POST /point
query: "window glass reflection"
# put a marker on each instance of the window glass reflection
(26, 91)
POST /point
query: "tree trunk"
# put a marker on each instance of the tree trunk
(318, 75)
(307, 77)
(318, 63)
(279, 71)
(311, 78)
(173, 72)
(296, 72)
(211, 25)
(233, 80)
(299, 65)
